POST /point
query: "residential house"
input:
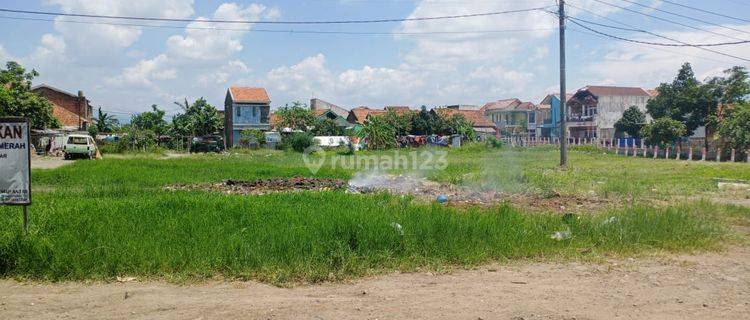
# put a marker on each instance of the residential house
(548, 116)
(482, 126)
(245, 108)
(358, 115)
(593, 110)
(73, 111)
(512, 116)
(464, 107)
(318, 104)
(341, 122)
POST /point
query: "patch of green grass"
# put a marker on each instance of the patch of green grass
(312, 236)
(101, 219)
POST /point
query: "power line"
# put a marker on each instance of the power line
(291, 31)
(655, 48)
(686, 17)
(666, 20)
(654, 43)
(718, 44)
(706, 11)
(80, 15)
(656, 34)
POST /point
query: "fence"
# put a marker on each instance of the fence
(637, 148)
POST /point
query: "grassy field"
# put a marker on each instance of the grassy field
(101, 219)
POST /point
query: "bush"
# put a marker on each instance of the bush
(495, 143)
(249, 136)
(298, 141)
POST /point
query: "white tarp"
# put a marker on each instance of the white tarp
(332, 141)
(15, 178)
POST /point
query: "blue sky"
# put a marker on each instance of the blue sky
(125, 69)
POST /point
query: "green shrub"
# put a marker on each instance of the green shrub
(298, 141)
(495, 143)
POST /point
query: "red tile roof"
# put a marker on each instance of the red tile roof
(474, 116)
(249, 95)
(501, 104)
(653, 92)
(615, 91)
(360, 114)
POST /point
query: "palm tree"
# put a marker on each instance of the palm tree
(105, 122)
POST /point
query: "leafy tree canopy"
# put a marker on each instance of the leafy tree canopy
(632, 122)
(17, 100)
(735, 127)
(197, 119)
(296, 116)
(151, 120)
(663, 132)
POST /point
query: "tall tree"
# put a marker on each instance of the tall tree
(295, 116)
(105, 122)
(198, 119)
(685, 100)
(734, 87)
(16, 98)
(151, 120)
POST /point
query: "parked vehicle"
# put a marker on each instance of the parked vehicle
(79, 146)
(212, 143)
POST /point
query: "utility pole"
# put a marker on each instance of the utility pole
(563, 94)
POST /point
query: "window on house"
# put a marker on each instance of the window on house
(255, 112)
(239, 113)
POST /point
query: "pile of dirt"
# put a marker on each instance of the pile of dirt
(263, 186)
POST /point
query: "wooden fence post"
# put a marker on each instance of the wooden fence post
(718, 155)
(656, 151)
(635, 151)
(666, 152)
(679, 152)
(733, 154)
(690, 154)
(703, 154)
(645, 152)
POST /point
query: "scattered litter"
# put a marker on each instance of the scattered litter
(442, 199)
(126, 279)
(729, 184)
(561, 235)
(610, 220)
(398, 228)
(518, 282)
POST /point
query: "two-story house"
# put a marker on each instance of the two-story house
(245, 108)
(73, 111)
(593, 110)
(548, 116)
(512, 116)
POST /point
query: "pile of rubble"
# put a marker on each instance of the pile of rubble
(263, 186)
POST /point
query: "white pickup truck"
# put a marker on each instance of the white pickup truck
(79, 145)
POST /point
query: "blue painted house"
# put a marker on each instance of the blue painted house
(245, 108)
(548, 116)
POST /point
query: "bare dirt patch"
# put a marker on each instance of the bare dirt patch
(705, 286)
(48, 162)
(422, 189)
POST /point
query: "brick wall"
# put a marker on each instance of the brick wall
(71, 111)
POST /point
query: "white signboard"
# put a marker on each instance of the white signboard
(15, 171)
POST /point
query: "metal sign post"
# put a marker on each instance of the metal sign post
(15, 164)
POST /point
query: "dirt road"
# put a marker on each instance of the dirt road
(706, 286)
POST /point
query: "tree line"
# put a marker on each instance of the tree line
(718, 104)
